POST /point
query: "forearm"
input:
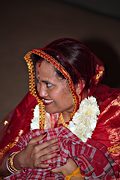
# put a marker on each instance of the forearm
(3, 168)
(10, 164)
(19, 160)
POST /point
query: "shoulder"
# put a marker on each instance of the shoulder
(108, 126)
(109, 104)
(103, 93)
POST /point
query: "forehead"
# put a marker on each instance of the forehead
(45, 69)
(44, 66)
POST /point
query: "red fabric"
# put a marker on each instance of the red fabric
(19, 119)
(107, 131)
(94, 161)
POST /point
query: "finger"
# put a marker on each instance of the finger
(48, 156)
(57, 170)
(45, 153)
(40, 162)
(48, 143)
(41, 165)
(40, 151)
(37, 139)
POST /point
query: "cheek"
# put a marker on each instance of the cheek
(67, 96)
(64, 95)
(66, 91)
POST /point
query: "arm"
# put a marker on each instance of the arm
(33, 156)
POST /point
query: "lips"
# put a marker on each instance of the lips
(47, 102)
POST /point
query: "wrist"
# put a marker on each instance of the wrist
(10, 164)
(19, 160)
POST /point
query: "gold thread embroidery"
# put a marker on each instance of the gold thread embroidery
(61, 120)
(58, 66)
(114, 149)
(10, 145)
(32, 88)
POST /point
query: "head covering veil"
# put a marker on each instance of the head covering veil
(43, 53)
(22, 120)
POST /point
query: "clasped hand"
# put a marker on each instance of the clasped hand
(34, 155)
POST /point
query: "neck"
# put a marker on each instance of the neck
(66, 116)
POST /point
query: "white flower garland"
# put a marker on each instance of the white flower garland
(35, 121)
(84, 121)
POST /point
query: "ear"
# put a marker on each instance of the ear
(79, 87)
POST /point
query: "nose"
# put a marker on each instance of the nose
(42, 91)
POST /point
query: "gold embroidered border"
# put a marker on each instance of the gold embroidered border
(58, 66)
(32, 88)
(10, 145)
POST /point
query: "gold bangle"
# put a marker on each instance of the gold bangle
(10, 164)
(75, 173)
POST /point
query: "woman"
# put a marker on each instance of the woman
(78, 117)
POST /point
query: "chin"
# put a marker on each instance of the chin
(51, 111)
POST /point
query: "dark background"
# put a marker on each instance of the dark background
(28, 24)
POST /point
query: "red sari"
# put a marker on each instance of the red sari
(106, 133)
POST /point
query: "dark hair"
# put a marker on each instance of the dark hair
(75, 57)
